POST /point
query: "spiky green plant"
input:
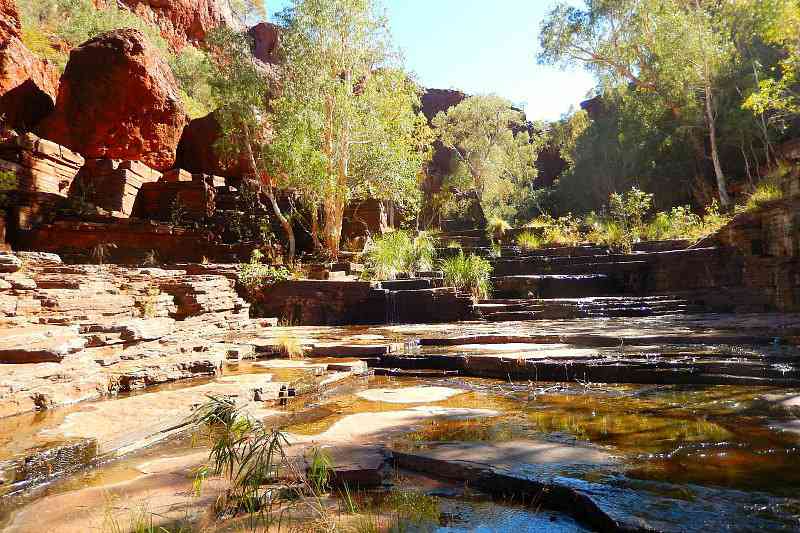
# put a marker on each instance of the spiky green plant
(528, 240)
(468, 273)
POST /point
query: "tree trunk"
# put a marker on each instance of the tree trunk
(267, 187)
(315, 228)
(722, 184)
(285, 223)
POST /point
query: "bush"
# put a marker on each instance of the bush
(468, 274)
(395, 252)
(8, 182)
(629, 209)
(557, 231)
(256, 275)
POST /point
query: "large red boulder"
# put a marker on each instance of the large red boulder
(266, 38)
(28, 85)
(196, 152)
(435, 101)
(182, 22)
(118, 99)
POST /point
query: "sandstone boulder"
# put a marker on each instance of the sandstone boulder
(118, 100)
(28, 85)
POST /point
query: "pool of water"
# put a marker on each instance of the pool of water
(687, 454)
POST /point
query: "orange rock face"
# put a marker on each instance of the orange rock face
(28, 85)
(118, 99)
(182, 22)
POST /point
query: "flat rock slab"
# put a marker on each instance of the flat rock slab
(517, 455)
(40, 344)
(127, 424)
(410, 394)
(365, 427)
(356, 350)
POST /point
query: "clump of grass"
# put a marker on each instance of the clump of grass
(101, 252)
(497, 228)
(557, 231)
(320, 470)
(397, 251)
(244, 451)
(765, 192)
(290, 347)
(256, 275)
(615, 236)
(528, 240)
(468, 273)
(414, 506)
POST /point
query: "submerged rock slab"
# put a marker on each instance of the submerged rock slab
(410, 394)
(363, 427)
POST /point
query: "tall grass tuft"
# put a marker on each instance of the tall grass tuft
(766, 191)
(528, 240)
(397, 251)
(468, 273)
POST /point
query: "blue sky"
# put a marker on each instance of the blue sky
(482, 47)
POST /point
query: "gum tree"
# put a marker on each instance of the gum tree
(241, 88)
(345, 122)
(492, 144)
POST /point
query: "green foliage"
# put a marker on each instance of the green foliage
(192, 69)
(496, 228)
(243, 450)
(345, 123)
(397, 251)
(255, 275)
(628, 209)
(320, 470)
(563, 230)
(528, 240)
(468, 273)
(765, 192)
(414, 506)
(494, 161)
(8, 182)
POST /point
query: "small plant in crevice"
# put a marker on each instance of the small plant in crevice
(289, 347)
(8, 182)
(177, 212)
(768, 190)
(151, 258)
(468, 273)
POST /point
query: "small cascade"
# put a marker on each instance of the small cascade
(392, 308)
